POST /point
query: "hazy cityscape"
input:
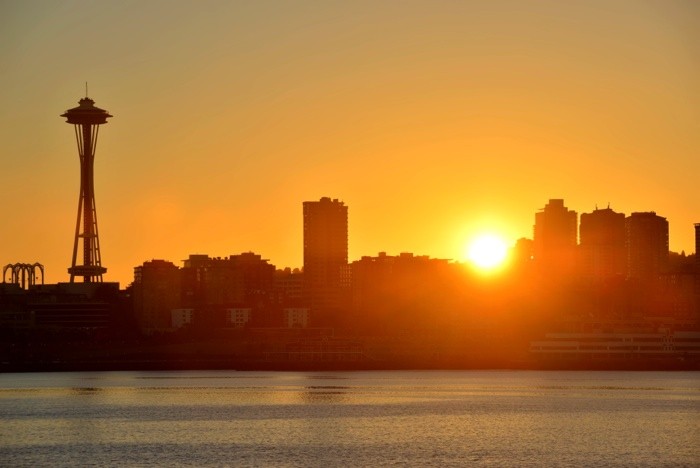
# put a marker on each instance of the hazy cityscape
(602, 292)
(370, 233)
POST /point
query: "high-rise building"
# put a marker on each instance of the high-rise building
(602, 244)
(697, 263)
(555, 236)
(646, 236)
(325, 254)
(156, 292)
(522, 251)
(697, 247)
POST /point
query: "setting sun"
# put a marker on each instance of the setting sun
(487, 252)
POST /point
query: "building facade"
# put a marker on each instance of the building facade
(325, 255)
(697, 247)
(555, 235)
(406, 292)
(246, 278)
(697, 266)
(602, 248)
(289, 287)
(156, 292)
(646, 236)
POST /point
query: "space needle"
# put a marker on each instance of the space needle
(86, 119)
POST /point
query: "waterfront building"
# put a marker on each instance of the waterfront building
(156, 293)
(325, 256)
(296, 317)
(675, 294)
(646, 236)
(246, 278)
(181, 317)
(61, 306)
(602, 247)
(403, 292)
(697, 259)
(555, 233)
(523, 251)
(642, 346)
(289, 287)
(238, 317)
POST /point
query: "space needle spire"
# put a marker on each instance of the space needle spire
(86, 119)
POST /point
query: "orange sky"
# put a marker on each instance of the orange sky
(432, 120)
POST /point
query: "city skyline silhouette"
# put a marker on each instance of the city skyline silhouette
(617, 300)
(365, 233)
(434, 123)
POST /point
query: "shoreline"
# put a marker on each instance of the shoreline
(211, 363)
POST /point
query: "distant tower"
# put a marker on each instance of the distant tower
(325, 253)
(697, 245)
(603, 253)
(87, 120)
(647, 245)
(697, 258)
(555, 236)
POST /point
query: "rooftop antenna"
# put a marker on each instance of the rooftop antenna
(86, 89)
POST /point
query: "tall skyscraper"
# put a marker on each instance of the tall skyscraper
(325, 254)
(555, 236)
(647, 245)
(697, 246)
(87, 119)
(603, 253)
(697, 263)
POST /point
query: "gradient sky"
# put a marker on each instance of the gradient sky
(432, 120)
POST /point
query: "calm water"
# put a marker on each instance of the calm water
(497, 418)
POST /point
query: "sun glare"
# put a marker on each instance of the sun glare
(487, 252)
